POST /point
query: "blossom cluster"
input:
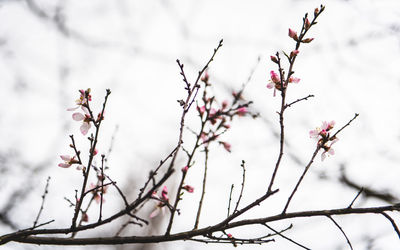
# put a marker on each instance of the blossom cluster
(218, 115)
(325, 141)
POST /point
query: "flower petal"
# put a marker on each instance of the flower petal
(85, 128)
(78, 116)
(64, 165)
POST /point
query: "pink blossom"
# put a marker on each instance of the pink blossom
(275, 77)
(85, 118)
(275, 82)
(188, 188)
(162, 202)
(323, 137)
(82, 99)
(68, 161)
(328, 150)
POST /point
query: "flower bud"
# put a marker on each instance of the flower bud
(307, 24)
(274, 59)
(293, 34)
(294, 53)
(307, 40)
(316, 11)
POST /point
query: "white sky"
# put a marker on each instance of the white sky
(352, 66)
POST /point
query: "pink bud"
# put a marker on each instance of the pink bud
(227, 146)
(307, 40)
(205, 77)
(241, 111)
(274, 77)
(164, 193)
(307, 24)
(316, 11)
(188, 188)
(293, 34)
(274, 59)
(185, 169)
(294, 53)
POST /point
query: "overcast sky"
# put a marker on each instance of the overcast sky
(51, 49)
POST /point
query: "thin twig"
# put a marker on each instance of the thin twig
(355, 198)
(46, 190)
(286, 238)
(230, 201)
(242, 188)
(298, 100)
(203, 190)
(396, 229)
(301, 178)
(341, 230)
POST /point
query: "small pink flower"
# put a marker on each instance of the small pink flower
(293, 34)
(275, 77)
(162, 202)
(85, 118)
(328, 150)
(275, 82)
(68, 161)
(188, 188)
(229, 235)
(241, 111)
(82, 99)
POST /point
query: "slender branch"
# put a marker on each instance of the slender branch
(341, 230)
(230, 201)
(242, 188)
(301, 178)
(298, 100)
(23, 236)
(355, 198)
(43, 199)
(396, 229)
(203, 190)
(286, 238)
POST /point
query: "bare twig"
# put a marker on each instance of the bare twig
(203, 190)
(355, 198)
(285, 237)
(242, 188)
(46, 190)
(341, 230)
(396, 229)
